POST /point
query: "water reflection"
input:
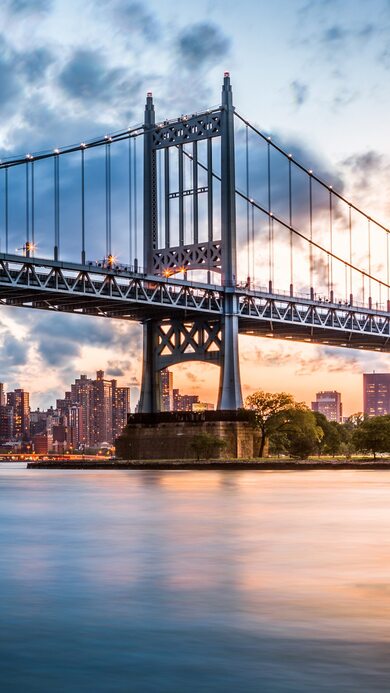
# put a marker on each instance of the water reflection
(194, 581)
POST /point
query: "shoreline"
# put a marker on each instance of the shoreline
(232, 465)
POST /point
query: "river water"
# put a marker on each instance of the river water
(208, 581)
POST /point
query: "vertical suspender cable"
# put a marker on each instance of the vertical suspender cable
(27, 165)
(253, 244)
(6, 209)
(82, 207)
(331, 244)
(130, 205)
(270, 221)
(56, 206)
(247, 200)
(135, 204)
(388, 268)
(350, 257)
(272, 253)
(369, 262)
(311, 235)
(291, 233)
(108, 200)
(32, 207)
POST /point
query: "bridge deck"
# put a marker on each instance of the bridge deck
(111, 293)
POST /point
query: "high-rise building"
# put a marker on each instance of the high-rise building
(329, 403)
(2, 395)
(376, 394)
(120, 408)
(6, 423)
(166, 390)
(183, 402)
(19, 400)
(81, 395)
(101, 410)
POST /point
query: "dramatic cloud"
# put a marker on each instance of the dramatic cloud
(57, 352)
(201, 44)
(300, 92)
(134, 19)
(86, 78)
(28, 6)
(317, 360)
(117, 369)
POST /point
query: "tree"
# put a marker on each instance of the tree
(373, 435)
(268, 408)
(332, 435)
(301, 431)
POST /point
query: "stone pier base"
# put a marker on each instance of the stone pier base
(170, 435)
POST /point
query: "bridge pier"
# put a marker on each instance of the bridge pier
(229, 394)
(150, 399)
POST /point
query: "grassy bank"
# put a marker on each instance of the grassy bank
(265, 464)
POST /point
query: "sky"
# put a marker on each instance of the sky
(314, 74)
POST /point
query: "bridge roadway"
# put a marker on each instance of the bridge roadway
(116, 293)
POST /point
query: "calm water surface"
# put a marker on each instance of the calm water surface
(179, 582)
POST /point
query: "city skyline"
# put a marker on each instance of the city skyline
(330, 402)
(339, 129)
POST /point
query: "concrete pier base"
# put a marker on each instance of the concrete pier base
(170, 435)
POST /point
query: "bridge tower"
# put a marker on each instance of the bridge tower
(175, 340)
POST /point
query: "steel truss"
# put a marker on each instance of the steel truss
(180, 341)
(68, 287)
(314, 321)
(206, 256)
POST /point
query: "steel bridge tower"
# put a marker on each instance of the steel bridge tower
(174, 339)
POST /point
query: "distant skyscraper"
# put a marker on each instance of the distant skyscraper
(6, 423)
(81, 395)
(329, 403)
(120, 408)
(19, 400)
(166, 390)
(2, 395)
(376, 394)
(101, 410)
(183, 402)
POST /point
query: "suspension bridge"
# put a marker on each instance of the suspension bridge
(201, 228)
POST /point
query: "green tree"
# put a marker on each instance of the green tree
(332, 438)
(373, 435)
(301, 431)
(268, 410)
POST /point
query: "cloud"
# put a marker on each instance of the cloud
(326, 359)
(300, 92)
(13, 351)
(135, 20)
(118, 368)
(35, 63)
(85, 330)
(334, 35)
(58, 352)
(29, 6)
(202, 43)
(87, 78)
